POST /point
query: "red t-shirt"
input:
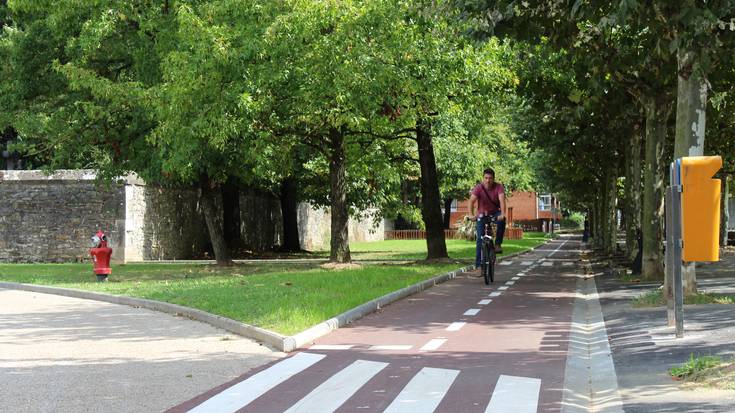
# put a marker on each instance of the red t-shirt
(489, 205)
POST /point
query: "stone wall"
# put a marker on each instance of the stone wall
(315, 228)
(163, 223)
(51, 218)
(261, 223)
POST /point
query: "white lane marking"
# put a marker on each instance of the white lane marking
(334, 392)
(547, 264)
(495, 294)
(510, 282)
(391, 347)
(516, 278)
(515, 394)
(484, 302)
(241, 394)
(503, 287)
(506, 262)
(472, 311)
(527, 263)
(424, 392)
(520, 274)
(331, 347)
(567, 264)
(433, 344)
(455, 326)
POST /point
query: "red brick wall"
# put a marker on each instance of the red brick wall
(524, 205)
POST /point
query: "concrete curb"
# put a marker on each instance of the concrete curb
(280, 342)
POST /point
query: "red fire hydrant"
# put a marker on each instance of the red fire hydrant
(101, 256)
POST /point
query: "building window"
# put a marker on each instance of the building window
(454, 206)
(544, 203)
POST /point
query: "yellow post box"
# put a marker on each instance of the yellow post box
(700, 208)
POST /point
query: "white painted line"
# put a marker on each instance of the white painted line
(241, 394)
(520, 274)
(424, 392)
(334, 392)
(495, 294)
(484, 302)
(510, 282)
(527, 263)
(515, 394)
(472, 311)
(331, 347)
(567, 264)
(506, 262)
(433, 344)
(516, 278)
(391, 347)
(503, 287)
(455, 326)
(547, 264)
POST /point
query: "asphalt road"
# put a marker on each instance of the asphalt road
(458, 347)
(60, 354)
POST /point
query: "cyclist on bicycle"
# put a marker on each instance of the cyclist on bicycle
(487, 200)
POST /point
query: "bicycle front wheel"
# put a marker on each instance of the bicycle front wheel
(487, 265)
(491, 266)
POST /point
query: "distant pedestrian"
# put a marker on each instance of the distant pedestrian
(586, 233)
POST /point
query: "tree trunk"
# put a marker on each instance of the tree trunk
(633, 194)
(611, 218)
(725, 210)
(691, 107)
(447, 212)
(430, 198)
(599, 219)
(339, 242)
(289, 213)
(657, 113)
(213, 215)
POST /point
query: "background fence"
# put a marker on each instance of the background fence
(510, 233)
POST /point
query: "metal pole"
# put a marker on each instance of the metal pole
(669, 284)
(678, 243)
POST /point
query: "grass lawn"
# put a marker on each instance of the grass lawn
(282, 297)
(416, 249)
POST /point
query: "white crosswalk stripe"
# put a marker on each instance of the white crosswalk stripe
(241, 394)
(424, 392)
(547, 264)
(433, 344)
(515, 394)
(334, 392)
(568, 264)
(506, 262)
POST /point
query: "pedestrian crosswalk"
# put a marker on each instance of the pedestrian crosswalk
(423, 392)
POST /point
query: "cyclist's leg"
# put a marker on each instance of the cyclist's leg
(500, 232)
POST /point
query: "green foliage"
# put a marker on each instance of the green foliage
(574, 221)
(695, 366)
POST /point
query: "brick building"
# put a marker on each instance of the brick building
(529, 210)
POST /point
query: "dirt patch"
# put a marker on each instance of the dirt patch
(340, 266)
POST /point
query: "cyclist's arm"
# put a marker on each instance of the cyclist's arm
(473, 206)
(501, 199)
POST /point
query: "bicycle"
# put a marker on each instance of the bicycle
(488, 257)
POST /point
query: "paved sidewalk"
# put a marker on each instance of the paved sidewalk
(644, 348)
(60, 354)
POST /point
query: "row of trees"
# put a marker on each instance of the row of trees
(338, 103)
(622, 89)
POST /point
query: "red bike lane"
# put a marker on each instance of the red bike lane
(458, 347)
